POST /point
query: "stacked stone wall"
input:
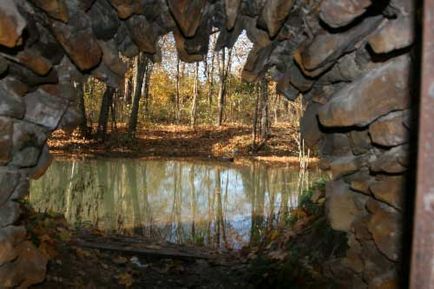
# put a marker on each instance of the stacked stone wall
(350, 60)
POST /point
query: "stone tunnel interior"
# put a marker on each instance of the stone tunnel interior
(351, 60)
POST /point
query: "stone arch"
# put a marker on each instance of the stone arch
(350, 59)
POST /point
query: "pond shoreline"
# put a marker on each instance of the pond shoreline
(229, 143)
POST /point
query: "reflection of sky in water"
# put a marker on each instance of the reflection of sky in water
(163, 199)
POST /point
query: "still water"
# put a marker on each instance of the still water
(203, 203)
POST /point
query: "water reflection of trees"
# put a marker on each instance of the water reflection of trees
(175, 201)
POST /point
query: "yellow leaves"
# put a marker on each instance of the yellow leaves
(125, 279)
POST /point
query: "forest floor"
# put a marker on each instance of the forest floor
(291, 257)
(229, 142)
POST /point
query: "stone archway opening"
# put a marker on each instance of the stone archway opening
(351, 60)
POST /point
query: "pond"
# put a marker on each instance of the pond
(205, 203)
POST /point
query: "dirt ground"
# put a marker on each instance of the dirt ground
(229, 142)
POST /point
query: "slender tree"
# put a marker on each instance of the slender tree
(195, 97)
(141, 63)
(106, 103)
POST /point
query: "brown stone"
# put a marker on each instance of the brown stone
(353, 258)
(79, 44)
(12, 23)
(393, 161)
(180, 47)
(341, 209)
(390, 130)
(335, 145)
(385, 227)
(126, 8)
(361, 181)
(344, 166)
(395, 34)
(258, 37)
(375, 263)
(274, 15)
(389, 280)
(379, 92)
(187, 14)
(389, 189)
(322, 52)
(360, 141)
(286, 89)
(28, 269)
(338, 13)
(5, 140)
(231, 10)
(256, 64)
(34, 61)
(56, 9)
(44, 109)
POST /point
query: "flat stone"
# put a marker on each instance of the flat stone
(353, 256)
(335, 145)
(389, 189)
(142, 34)
(390, 130)
(9, 213)
(375, 263)
(385, 226)
(361, 181)
(45, 160)
(12, 23)
(126, 8)
(344, 166)
(8, 183)
(321, 53)
(187, 14)
(199, 44)
(29, 78)
(227, 38)
(27, 135)
(3, 65)
(360, 142)
(341, 209)
(256, 63)
(285, 88)
(80, 44)
(5, 140)
(70, 120)
(389, 280)
(231, 10)
(338, 13)
(182, 53)
(274, 15)
(105, 22)
(56, 9)
(10, 237)
(11, 104)
(370, 97)
(44, 109)
(395, 34)
(393, 161)
(309, 125)
(34, 61)
(257, 36)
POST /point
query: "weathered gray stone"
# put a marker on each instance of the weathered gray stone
(5, 140)
(256, 64)
(3, 65)
(9, 213)
(126, 8)
(390, 130)
(12, 23)
(27, 135)
(104, 20)
(389, 189)
(369, 98)
(309, 125)
(231, 9)
(361, 181)
(258, 37)
(180, 47)
(227, 38)
(344, 166)
(142, 34)
(338, 13)
(124, 42)
(286, 89)
(389, 280)
(11, 104)
(322, 52)
(44, 109)
(45, 160)
(70, 120)
(335, 145)
(393, 161)
(8, 182)
(187, 14)
(395, 34)
(29, 78)
(274, 15)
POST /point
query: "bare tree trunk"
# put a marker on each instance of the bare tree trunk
(83, 128)
(141, 63)
(222, 88)
(255, 119)
(148, 75)
(177, 96)
(195, 97)
(265, 129)
(106, 102)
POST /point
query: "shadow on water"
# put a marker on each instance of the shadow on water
(181, 202)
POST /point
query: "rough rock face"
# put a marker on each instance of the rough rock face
(349, 59)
